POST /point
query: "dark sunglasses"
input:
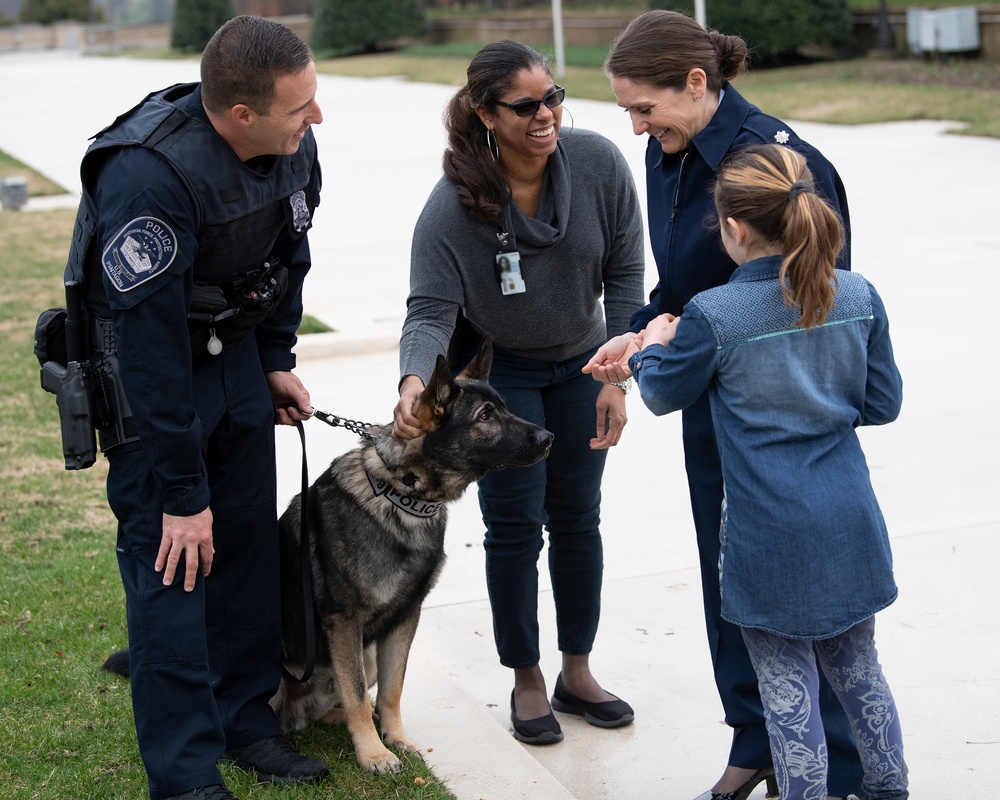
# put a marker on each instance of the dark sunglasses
(528, 108)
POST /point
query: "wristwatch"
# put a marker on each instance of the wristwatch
(625, 386)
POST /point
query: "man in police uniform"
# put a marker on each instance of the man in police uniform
(191, 247)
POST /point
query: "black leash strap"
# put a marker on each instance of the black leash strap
(305, 548)
(305, 562)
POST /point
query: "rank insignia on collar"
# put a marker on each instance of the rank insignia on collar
(781, 137)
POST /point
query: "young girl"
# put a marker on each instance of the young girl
(795, 355)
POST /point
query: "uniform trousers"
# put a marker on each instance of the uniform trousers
(734, 674)
(789, 682)
(562, 494)
(205, 663)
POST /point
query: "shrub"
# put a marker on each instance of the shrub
(774, 28)
(342, 27)
(47, 11)
(196, 20)
(831, 21)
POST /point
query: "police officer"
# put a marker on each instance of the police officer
(672, 77)
(191, 245)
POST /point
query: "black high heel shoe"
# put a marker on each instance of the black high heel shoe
(744, 791)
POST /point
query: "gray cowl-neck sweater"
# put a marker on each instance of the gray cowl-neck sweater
(585, 244)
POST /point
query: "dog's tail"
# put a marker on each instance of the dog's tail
(118, 663)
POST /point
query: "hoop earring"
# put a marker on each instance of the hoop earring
(572, 125)
(492, 146)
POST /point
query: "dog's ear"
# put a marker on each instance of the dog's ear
(434, 402)
(479, 368)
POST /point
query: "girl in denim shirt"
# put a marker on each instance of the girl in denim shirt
(795, 355)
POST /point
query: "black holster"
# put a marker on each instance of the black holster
(71, 385)
(113, 417)
(61, 345)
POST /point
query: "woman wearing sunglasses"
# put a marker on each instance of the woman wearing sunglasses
(526, 233)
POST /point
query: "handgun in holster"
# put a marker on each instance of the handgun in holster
(72, 385)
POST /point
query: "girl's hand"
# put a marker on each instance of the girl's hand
(661, 329)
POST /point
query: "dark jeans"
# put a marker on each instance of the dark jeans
(561, 493)
(205, 663)
(734, 674)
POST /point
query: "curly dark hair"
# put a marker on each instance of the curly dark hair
(481, 183)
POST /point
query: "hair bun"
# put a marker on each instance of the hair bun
(732, 54)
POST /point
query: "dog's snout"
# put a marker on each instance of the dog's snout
(542, 438)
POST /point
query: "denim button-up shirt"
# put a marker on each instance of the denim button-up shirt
(805, 551)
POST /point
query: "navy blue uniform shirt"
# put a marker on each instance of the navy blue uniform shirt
(682, 221)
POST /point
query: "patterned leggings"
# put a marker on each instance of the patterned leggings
(788, 679)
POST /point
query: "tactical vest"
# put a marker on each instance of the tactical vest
(239, 213)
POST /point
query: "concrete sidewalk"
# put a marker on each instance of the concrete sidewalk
(924, 207)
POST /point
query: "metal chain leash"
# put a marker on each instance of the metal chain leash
(360, 428)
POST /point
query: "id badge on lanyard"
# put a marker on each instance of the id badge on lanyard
(508, 263)
(509, 271)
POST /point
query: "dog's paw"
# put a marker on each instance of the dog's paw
(382, 763)
(399, 743)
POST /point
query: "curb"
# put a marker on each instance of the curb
(462, 744)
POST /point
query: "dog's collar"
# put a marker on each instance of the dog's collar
(408, 503)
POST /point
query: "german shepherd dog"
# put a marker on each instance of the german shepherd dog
(376, 524)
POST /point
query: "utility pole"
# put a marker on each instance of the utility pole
(557, 37)
(886, 41)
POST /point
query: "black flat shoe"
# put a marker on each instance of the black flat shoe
(541, 730)
(744, 791)
(609, 714)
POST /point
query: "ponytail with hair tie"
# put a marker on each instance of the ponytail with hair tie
(757, 184)
(797, 188)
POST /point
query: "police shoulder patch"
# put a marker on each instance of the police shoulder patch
(300, 211)
(140, 251)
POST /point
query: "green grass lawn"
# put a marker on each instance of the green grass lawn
(38, 184)
(868, 91)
